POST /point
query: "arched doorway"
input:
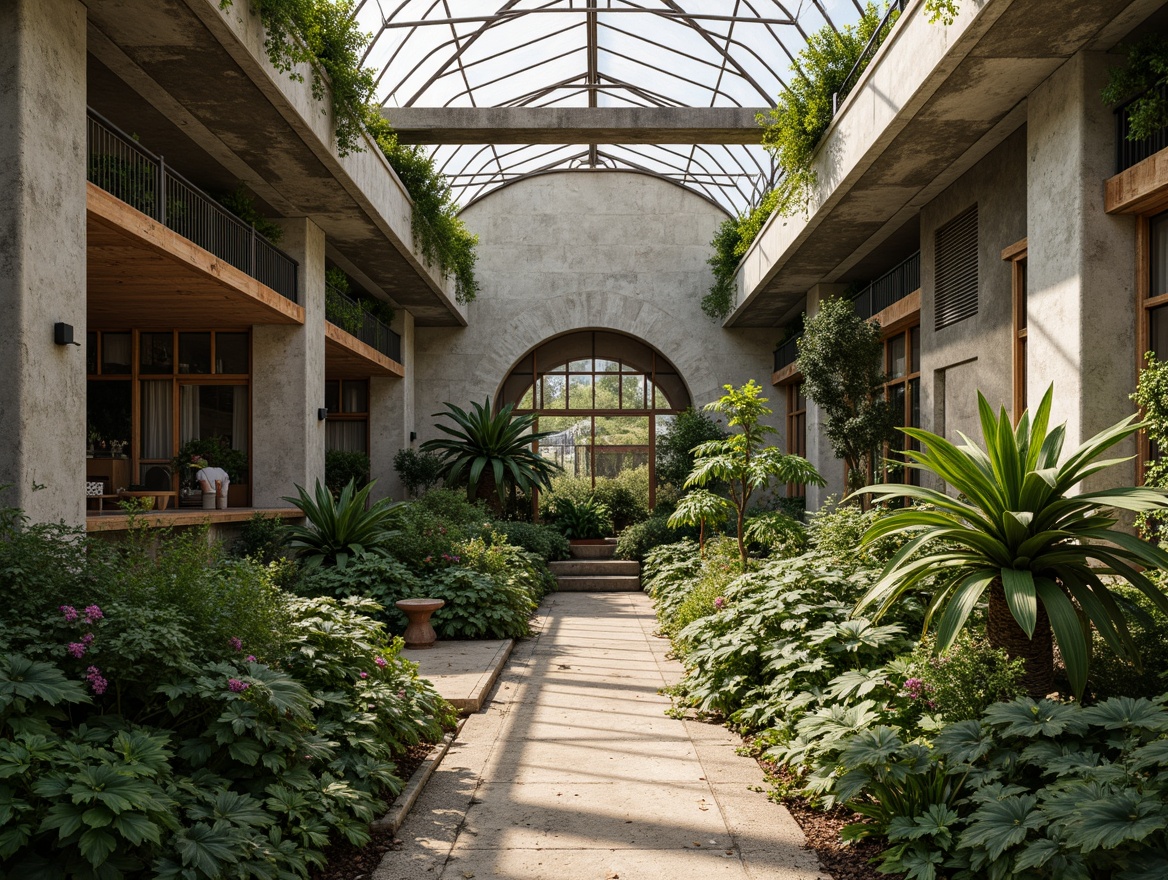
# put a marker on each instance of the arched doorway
(604, 394)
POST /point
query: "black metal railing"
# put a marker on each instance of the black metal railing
(786, 353)
(125, 169)
(343, 311)
(895, 8)
(1129, 152)
(893, 285)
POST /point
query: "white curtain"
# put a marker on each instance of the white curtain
(157, 440)
(188, 412)
(346, 436)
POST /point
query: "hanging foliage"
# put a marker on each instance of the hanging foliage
(1144, 74)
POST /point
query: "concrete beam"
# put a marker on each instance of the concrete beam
(575, 125)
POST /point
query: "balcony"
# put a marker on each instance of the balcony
(893, 286)
(786, 353)
(1128, 152)
(125, 169)
(358, 344)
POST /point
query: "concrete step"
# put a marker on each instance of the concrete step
(594, 551)
(620, 583)
(595, 567)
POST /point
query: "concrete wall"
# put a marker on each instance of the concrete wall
(287, 384)
(1081, 261)
(974, 354)
(42, 256)
(391, 415)
(561, 252)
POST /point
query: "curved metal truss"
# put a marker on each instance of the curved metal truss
(595, 53)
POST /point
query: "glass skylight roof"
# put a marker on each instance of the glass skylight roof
(594, 53)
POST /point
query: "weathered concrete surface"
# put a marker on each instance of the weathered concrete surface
(391, 415)
(1081, 303)
(933, 102)
(287, 385)
(570, 251)
(819, 451)
(42, 256)
(463, 672)
(575, 125)
(206, 71)
(573, 771)
(975, 354)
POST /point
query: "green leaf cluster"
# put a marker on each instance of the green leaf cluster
(1145, 72)
(419, 471)
(582, 520)
(731, 241)
(344, 466)
(241, 203)
(1151, 396)
(342, 528)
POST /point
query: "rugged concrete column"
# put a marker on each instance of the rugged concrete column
(288, 381)
(391, 415)
(818, 447)
(42, 256)
(1080, 312)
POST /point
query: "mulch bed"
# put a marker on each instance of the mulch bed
(348, 862)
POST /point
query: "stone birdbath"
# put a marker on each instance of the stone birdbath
(419, 633)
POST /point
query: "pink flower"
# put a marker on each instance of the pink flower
(380, 661)
(251, 658)
(77, 649)
(96, 680)
(363, 674)
(719, 602)
(236, 642)
(92, 613)
(236, 686)
(401, 695)
(70, 613)
(87, 639)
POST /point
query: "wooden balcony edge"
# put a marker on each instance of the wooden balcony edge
(379, 364)
(182, 517)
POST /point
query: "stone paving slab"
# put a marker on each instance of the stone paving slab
(463, 672)
(577, 774)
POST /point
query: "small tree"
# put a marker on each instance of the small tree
(742, 460)
(696, 509)
(675, 445)
(840, 357)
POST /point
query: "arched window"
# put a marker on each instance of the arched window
(604, 394)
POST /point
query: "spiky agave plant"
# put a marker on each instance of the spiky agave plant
(498, 444)
(1043, 555)
(339, 529)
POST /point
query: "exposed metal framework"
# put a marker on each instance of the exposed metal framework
(595, 53)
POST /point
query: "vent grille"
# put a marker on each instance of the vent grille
(956, 276)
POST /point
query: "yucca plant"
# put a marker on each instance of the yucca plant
(1016, 532)
(340, 529)
(498, 444)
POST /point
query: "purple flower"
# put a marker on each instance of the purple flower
(70, 613)
(915, 688)
(236, 686)
(251, 658)
(87, 639)
(77, 649)
(401, 695)
(363, 674)
(92, 613)
(236, 642)
(96, 680)
(719, 602)
(380, 661)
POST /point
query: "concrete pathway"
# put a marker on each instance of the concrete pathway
(573, 771)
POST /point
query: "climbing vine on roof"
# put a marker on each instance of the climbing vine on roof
(324, 35)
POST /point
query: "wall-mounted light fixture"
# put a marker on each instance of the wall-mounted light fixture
(322, 414)
(63, 334)
(413, 436)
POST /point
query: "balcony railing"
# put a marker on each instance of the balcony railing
(893, 285)
(1128, 152)
(125, 169)
(343, 311)
(786, 353)
(895, 8)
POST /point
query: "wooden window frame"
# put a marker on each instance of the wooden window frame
(796, 439)
(905, 418)
(1016, 255)
(344, 416)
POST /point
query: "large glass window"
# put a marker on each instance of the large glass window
(902, 363)
(348, 415)
(603, 395)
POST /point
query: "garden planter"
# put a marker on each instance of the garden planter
(419, 633)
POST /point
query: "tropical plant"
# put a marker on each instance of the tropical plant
(342, 466)
(675, 445)
(1151, 396)
(776, 531)
(640, 539)
(340, 529)
(696, 508)
(1142, 76)
(582, 520)
(841, 357)
(496, 444)
(1017, 533)
(419, 471)
(544, 541)
(742, 461)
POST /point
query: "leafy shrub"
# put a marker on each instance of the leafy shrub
(435, 523)
(689, 428)
(419, 471)
(544, 541)
(640, 539)
(340, 529)
(582, 519)
(775, 532)
(964, 681)
(261, 539)
(731, 241)
(342, 467)
(835, 531)
(1113, 676)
